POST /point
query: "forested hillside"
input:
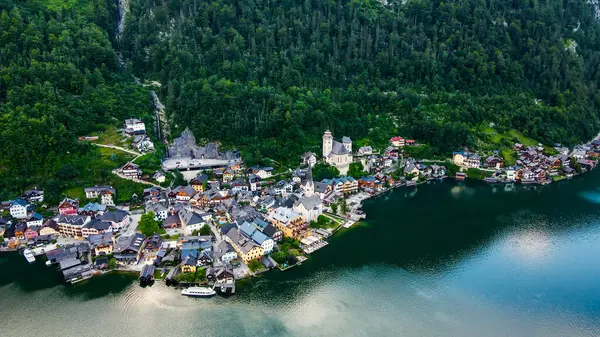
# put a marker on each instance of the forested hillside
(273, 74)
(59, 79)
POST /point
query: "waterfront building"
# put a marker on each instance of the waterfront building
(72, 225)
(290, 223)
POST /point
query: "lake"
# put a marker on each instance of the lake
(443, 259)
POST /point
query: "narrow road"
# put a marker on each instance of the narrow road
(120, 149)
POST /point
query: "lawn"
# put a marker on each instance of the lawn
(110, 136)
(149, 163)
(504, 142)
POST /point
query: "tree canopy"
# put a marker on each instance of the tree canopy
(147, 225)
(272, 75)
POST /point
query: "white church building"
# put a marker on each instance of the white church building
(337, 154)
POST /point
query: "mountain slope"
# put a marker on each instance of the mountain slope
(59, 79)
(272, 75)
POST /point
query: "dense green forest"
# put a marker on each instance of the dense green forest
(59, 78)
(273, 74)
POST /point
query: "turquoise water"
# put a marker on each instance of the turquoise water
(445, 259)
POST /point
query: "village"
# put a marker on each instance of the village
(231, 221)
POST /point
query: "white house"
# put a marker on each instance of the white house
(118, 219)
(309, 158)
(511, 174)
(160, 210)
(18, 209)
(251, 231)
(225, 252)
(262, 172)
(105, 193)
(190, 221)
(134, 125)
(309, 206)
(365, 150)
(159, 176)
(36, 219)
(578, 154)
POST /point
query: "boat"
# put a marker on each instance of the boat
(198, 292)
(29, 256)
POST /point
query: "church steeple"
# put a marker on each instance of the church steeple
(309, 185)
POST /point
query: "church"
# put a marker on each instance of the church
(337, 154)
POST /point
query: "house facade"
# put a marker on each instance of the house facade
(132, 171)
(290, 223)
(104, 193)
(18, 209)
(68, 206)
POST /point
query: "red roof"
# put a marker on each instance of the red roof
(410, 140)
(395, 139)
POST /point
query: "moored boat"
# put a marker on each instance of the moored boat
(198, 292)
(29, 256)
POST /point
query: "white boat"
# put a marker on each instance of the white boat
(198, 292)
(29, 256)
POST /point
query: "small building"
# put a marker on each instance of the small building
(105, 193)
(132, 171)
(118, 219)
(397, 141)
(134, 126)
(68, 206)
(309, 158)
(18, 209)
(128, 249)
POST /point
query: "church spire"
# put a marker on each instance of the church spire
(309, 185)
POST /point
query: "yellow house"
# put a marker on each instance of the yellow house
(246, 249)
(228, 175)
(103, 249)
(189, 265)
(287, 221)
(458, 158)
(250, 251)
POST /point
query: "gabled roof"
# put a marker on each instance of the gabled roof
(270, 230)
(20, 202)
(190, 218)
(92, 207)
(114, 216)
(133, 242)
(259, 237)
(73, 220)
(309, 202)
(98, 224)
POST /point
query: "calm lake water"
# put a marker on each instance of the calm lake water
(445, 259)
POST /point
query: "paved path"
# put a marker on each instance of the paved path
(119, 148)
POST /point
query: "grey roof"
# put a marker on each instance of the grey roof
(338, 148)
(320, 187)
(98, 224)
(172, 219)
(270, 230)
(96, 239)
(100, 188)
(310, 202)
(346, 140)
(189, 218)
(73, 220)
(133, 242)
(114, 216)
